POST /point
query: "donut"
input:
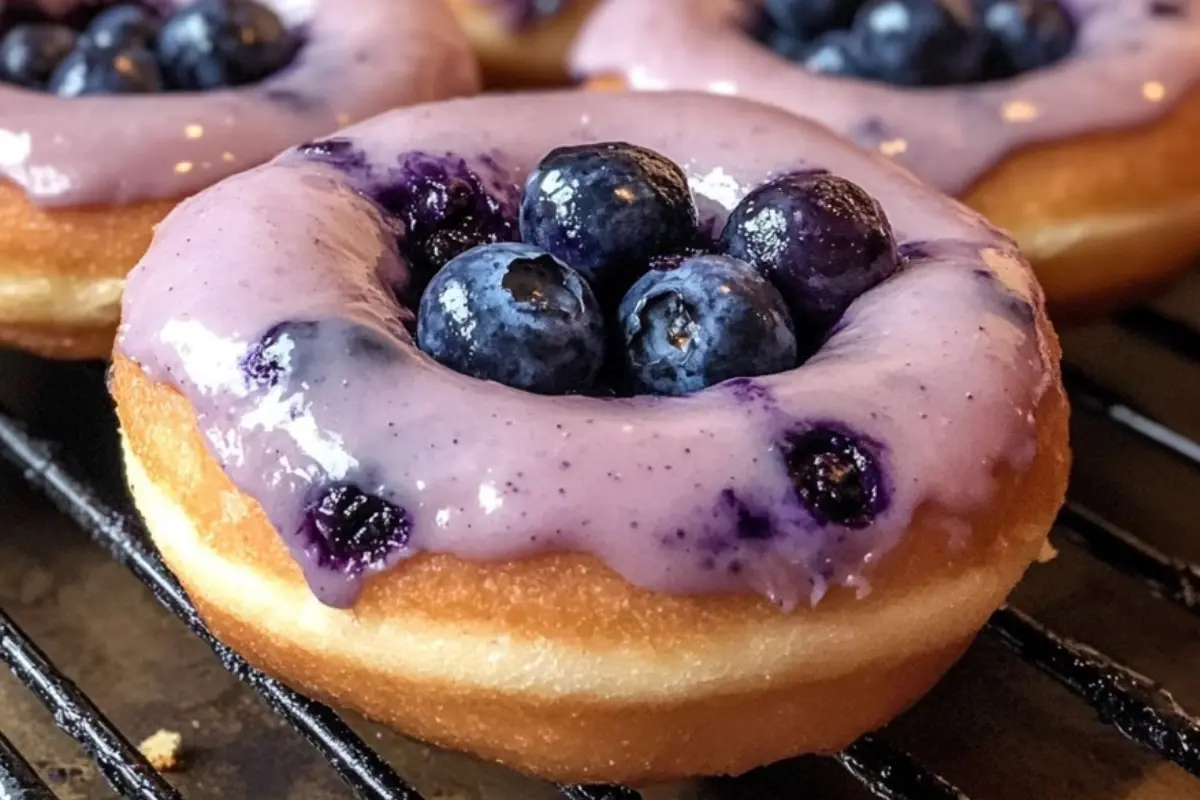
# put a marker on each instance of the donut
(468, 536)
(1082, 156)
(84, 179)
(522, 43)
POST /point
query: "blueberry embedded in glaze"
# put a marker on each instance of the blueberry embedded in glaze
(820, 239)
(1026, 34)
(90, 70)
(276, 355)
(608, 209)
(215, 43)
(350, 531)
(29, 53)
(129, 48)
(709, 319)
(836, 475)
(444, 206)
(918, 42)
(126, 25)
(514, 314)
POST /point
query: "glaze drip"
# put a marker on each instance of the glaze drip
(304, 377)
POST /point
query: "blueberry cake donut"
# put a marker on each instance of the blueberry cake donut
(636, 438)
(1067, 122)
(522, 42)
(112, 113)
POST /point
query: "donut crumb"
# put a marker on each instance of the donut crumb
(163, 750)
(1048, 553)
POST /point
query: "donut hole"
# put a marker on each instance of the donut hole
(145, 47)
(917, 42)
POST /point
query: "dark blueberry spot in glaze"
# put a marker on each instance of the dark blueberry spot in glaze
(351, 531)
(338, 152)
(1167, 8)
(30, 53)
(837, 475)
(821, 240)
(750, 524)
(445, 209)
(523, 13)
(514, 314)
(607, 210)
(915, 251)
(711, 319)
(295, 101)
(210, 44)
(749, 391)
(1003, 300)
(277, 354)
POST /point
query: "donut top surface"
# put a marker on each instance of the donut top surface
(1129, 61)
(278, 302)
(112, 113)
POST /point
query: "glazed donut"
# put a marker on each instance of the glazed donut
(586, 588)
(1084, 161)
(522, 43)
(83, 180)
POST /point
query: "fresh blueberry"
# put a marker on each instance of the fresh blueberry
(922, 42)
(210, 44)
(514, 314)
(29, 53)
(1026, 34)
(106, 70)
(351, 531)
(277, 354)
(706, 320)
(836, 53)
(786, 45)
(807, 19)
(820, 239)
(126, 25)
(607, 210)
(445, 210)
(836, 476)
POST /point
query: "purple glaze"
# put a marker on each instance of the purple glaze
(1132, 61)
(360, 57)
(929, 373)
(519, 14)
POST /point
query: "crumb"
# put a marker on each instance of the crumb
(1048, 554)
(162, 750)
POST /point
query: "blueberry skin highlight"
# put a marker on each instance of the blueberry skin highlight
(836, 53)
(514, 314)
(126, 25)
(807, 19)
(1026, 34)
(696, 322)
(922, 42)
(210, 44)
(820, 239)
(30, 53)
(607, 210)
(92, 70)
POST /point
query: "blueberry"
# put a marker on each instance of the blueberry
(922, 42)
(210, 44)
(709, 319)
(351, 531)
(106, 70)
(807, 19)
(607, 210)
(445, 210)
(275, 356)
(1026, 34)
(836, 53)
(29, 53)
(820, 239)
(514, 314)
(836, 476)
(125, 25)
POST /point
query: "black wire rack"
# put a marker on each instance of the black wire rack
(1135, 705)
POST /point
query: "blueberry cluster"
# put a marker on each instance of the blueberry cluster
(613, 289)
(918, 42)
(129, 48)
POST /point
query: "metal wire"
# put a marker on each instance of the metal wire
(893, 774)
(1166, 577)
(18, 781)
(122, 765)
(1169, 333)
(1135, 705)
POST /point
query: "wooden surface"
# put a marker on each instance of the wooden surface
(995, 726)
